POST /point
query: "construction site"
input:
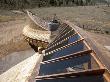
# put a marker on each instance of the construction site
(56, 50)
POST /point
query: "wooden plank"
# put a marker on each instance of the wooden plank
(61, 41)
(63, 28)
(70, 56)
(88, 72)
(54, 40)
(97, 61)
(34, 40)
(60, 37)
(41, 23)
(107, 75)
(66, 46)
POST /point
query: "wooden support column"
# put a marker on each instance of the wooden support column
(89, 65)
(34, 47)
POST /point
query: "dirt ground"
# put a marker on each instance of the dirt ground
(92, 18)
(100, 41)
(11, 38)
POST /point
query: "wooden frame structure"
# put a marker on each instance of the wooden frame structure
(73, 74)
(70, 56)
(100, 71)
(66, 32)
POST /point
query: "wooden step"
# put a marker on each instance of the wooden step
(88, 72)
(70, 56)
(66, 46)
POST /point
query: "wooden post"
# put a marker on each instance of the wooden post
(34, 47)
(40, 49)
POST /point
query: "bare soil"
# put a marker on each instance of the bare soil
(93, 18)
(11, 38)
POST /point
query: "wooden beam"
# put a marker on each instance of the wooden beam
(63, 27)
(34, 40)
(61, 30)
(61, 41)
(70, 56)
(89, 72)
(97, 61)
(57, 37)
(60, 37)
(66, 46)
(38, 21)
(107, 75)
